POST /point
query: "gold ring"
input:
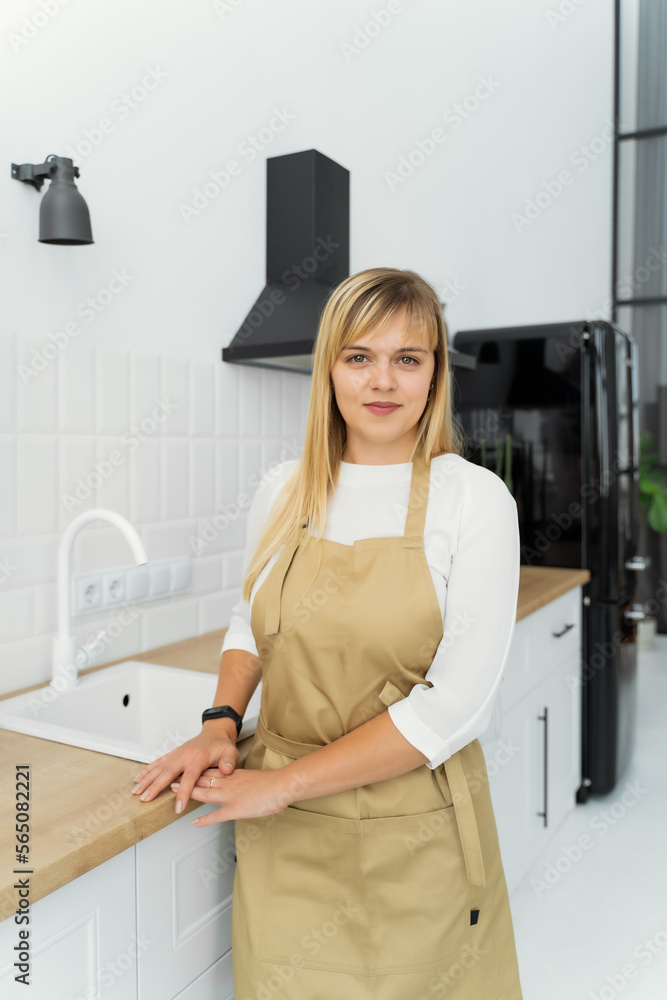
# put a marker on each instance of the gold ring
(210, 782)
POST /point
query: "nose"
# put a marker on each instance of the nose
(382, 376)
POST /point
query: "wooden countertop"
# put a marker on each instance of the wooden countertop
(81, 806)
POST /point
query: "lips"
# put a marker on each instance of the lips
(384, 406)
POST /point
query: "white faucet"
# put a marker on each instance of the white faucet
(64, 668)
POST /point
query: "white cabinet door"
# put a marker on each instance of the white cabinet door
(214, 984)
(563, 701)
(513, 783)
(543, 733)
(82, 939)
(185, 877)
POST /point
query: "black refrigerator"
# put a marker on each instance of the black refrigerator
(553, 409)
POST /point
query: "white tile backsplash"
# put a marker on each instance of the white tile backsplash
(202, 477)
(8, 375)
(111, 474)
(16, 614)
(145, 386)
(176, 392)
(37, 483)
(112, 390)
(76, 390)
(77, 457)
(226, 400)
(144, 470)
(169, 441)
(202, 398)
(175, 478)
(8, 444)
(36, 384)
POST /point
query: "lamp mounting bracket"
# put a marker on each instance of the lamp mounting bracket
(35, 173)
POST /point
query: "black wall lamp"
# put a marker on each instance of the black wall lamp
(63, 214)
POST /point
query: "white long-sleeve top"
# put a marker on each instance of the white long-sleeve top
(471, 541)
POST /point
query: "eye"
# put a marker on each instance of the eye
(405, 357)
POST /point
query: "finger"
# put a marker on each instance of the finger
(204, 780)
(219, 816)
(151, 770)
(156, 781)
(227, 760)
(187, 788)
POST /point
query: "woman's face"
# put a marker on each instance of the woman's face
(385, 367)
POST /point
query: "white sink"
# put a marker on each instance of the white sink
(133, 709)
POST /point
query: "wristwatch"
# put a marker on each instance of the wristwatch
(222, 710)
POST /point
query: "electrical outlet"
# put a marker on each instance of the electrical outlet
(150, 582)
(87, 593)
(113, 588)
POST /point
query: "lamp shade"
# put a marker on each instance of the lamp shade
(63, 214)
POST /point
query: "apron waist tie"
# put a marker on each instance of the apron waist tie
(464, 810)
(465, 819)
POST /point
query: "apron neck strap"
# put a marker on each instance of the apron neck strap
(419, 489)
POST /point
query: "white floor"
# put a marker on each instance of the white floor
(600, 928)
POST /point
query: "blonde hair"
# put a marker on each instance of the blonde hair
(359, 303)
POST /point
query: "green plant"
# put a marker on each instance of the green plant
(652, 483)
(499, 455)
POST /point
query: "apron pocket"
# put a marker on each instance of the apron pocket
(368, 897)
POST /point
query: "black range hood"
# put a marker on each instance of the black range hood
(307, 255)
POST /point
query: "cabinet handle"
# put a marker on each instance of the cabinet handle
(544, 718)
(567, 628)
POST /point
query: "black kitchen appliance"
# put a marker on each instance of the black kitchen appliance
(556, 406)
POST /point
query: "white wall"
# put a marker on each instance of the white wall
(218, 72)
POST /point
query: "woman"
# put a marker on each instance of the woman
(362, 873)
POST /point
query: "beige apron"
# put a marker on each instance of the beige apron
(393, 890)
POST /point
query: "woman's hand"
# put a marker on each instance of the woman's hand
(189, 760)
(241, 795)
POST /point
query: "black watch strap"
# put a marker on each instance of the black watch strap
(219, 712)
